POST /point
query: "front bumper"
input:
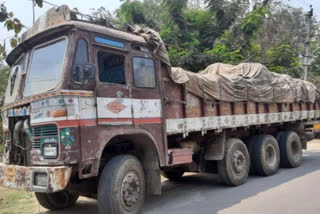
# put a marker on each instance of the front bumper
(54, 179)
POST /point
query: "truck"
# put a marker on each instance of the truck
(93, 111)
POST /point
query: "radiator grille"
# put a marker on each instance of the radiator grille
(43, 132)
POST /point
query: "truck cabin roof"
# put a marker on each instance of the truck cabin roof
(52, 32)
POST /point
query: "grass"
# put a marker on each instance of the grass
(17, 202)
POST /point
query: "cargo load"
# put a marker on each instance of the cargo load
(245, 82)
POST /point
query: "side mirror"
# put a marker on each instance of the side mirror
(14, 72)
(81, 74)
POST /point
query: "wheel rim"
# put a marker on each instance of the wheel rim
(295, 151)
(239, 162)
(271, 157)
(130, 190)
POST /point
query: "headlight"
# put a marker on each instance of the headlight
(49, 150)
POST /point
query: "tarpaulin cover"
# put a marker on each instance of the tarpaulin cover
(153, 38)
(234, 83)
(245, 82)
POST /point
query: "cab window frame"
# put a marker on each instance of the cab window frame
(75, 55)
(63, 66)
(110, 50)
(154, 68)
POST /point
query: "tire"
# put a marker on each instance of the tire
(234, 168)
(173, 174)
(266, 155)
(121, 188)
(250, 142)
(290, 149)
(58, 200)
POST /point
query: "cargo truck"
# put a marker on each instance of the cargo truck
(94, 111)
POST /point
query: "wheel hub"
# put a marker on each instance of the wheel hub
(130, 190)
(238, 161)
(271, 155)
(295, 150)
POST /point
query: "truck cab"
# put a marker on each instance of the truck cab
(78, 94)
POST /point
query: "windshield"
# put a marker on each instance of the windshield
(46, 67)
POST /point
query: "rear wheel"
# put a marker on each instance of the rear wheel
(58, 200)
(121, 187)
(173, 174)
(234, 168)
(266, 155)
(290, 149)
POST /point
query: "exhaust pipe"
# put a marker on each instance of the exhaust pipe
(18, 128)
(22, 127)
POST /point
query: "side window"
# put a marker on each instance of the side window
(144, 72)
(81, 58)
(111, 68)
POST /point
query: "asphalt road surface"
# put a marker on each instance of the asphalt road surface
(290, 191)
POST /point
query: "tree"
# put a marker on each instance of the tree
(315, 64)
(4, 74)
(12, 24)
(132, 13)
(283, 59)
(227, 12)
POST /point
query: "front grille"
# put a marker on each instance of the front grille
(7, 141)
(43, 132)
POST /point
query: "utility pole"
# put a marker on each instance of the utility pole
(33, 12)
(307, 56)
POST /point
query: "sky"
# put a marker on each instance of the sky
(23, 9)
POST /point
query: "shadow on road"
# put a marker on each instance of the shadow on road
(202, 193)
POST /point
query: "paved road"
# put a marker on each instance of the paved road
(291, 191)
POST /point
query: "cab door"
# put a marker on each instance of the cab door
(147, 104)
(114, 106)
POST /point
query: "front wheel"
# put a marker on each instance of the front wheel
(58, 200)
(234, 168)
(121, 187)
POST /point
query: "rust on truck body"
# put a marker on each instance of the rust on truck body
(21, 177)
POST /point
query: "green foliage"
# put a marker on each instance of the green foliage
(101, 16)
(39, 3)
(224, 31)
(228, 31)
(224, 54)
(175, 10)
(4, 74)
(12, 24)
(252, 23)
(315, 64)
(227, 12)
(132, 12)
(283, 59)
